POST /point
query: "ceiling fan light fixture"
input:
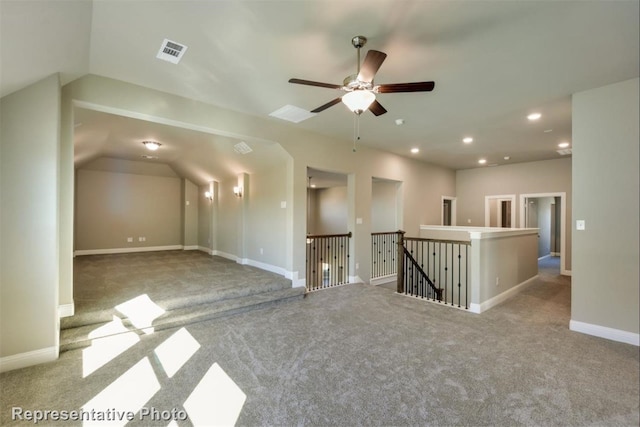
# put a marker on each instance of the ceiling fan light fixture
(358, 100)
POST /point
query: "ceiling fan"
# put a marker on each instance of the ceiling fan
(360, 89)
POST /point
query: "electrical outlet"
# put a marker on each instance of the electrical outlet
(129, 239)
(497, 281)
(357, 266)
(139, 239)
(261, 251)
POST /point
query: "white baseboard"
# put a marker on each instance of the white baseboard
(30, 358)
(291, 275)
(384, 279)
(492, 302)
(205, 250)
(605, 332)
(268, 267)
(66, 310)
(355, 279)
(543, 257)
(224, 255)
(566, 272)
(127, 250)
(191, 248)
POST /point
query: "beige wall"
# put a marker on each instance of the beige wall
(29, 264)
(606, 196)
(330, 214)
(384, 206)
(266, 217)
(112, 206)
(190, 202)
(205, 217)
(549, 176)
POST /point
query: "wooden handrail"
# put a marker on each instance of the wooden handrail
(317, 236)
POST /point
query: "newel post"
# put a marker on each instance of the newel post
(400, 274)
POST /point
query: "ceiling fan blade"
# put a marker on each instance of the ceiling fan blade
(311, 83)
(327, 105)
(406, 87)
(377, 109)
(371, 64)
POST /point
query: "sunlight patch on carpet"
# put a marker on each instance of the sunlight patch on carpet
(176, 351)
(141, 311)
(216, 400)
(108, 341)
(128, 393)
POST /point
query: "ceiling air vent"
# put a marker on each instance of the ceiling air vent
(242, 148)
(171, 51)
(292, 113)
(564, 152)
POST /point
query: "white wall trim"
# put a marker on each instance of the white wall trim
(487, 208)
(127, 250)
(208, 251)
(225, 255)
(492, 302)
(191, 248)
(453, 210)
(295, 280)
(605, 332)
(563, 223)
(30, 358)
(543, 257)
(383, 279)
(355, 279)
(268, 267)
(66, 310)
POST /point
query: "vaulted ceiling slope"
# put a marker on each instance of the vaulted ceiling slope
(493, 62)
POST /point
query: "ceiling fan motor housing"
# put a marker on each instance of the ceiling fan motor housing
(352, 83)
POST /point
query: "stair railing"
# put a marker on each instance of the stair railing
(383, 254)
(434, 269)
(327, 260)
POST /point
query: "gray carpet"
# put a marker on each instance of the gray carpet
(363, 355)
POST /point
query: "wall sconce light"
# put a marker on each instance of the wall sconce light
(208, 195)
(237, 190)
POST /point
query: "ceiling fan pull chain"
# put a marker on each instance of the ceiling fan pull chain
(356, 131)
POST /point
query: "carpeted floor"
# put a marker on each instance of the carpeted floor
(357, 355)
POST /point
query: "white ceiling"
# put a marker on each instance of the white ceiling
(493, 63)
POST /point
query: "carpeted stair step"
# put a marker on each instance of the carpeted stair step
(90, 317)
(82, 335)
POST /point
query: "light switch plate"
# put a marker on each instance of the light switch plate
(580, 225)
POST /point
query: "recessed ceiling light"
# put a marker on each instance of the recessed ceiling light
(399, 122)
(313, 186)
(151, 145)
(415, 150)
(563, 145)
(507, 158)
(467, 140)
(145, 156)
(548, 130)
(534, 116)
(482, 161)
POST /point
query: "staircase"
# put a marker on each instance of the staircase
(94, 322)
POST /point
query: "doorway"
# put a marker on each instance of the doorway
(548, 212)
(448, 214)
(499, 211)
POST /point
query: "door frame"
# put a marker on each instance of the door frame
(563, 223)
(453, 210)
(499, 198)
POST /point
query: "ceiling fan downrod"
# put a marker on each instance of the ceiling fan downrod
(358, 42)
